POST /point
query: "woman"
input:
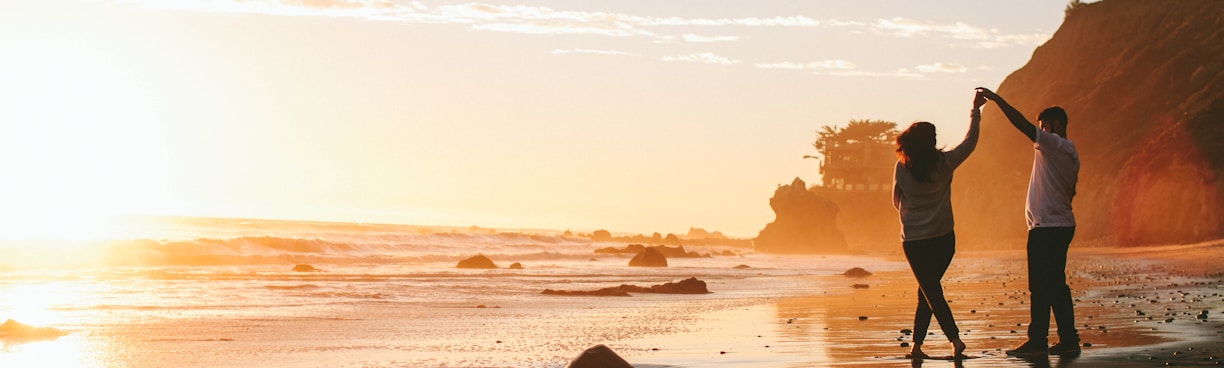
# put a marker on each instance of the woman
(922, 194)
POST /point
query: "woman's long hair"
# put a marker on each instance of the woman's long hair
(916, 150)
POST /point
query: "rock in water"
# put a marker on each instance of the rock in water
(628, 249)
(857, 272)
(599, 356)
(516, 266)
(612, 291)
(305, 268)
(477, 261)
(16, 330)
(649, 257)
(687, 286)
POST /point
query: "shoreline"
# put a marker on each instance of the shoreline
(987, 291)
(790, 316)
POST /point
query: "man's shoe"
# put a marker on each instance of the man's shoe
(1065, 348)
(1029, 348)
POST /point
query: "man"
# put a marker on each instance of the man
(1051, 226)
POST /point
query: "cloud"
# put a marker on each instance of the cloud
(539, 20)
(843, 68)
(700, 38)
(591, 51)
(792, 21)
(971, 36)
(488, 17)
(819, 65)
(942, 68)
(899, 73)
(364, 9)
(703, 57)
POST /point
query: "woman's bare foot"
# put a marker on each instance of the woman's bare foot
(958, 348)
(916, 353)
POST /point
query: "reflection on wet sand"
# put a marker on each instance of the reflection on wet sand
(988, 295)
(68, 351)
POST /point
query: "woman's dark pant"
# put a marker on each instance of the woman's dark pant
(929, 259)
(1047, 263)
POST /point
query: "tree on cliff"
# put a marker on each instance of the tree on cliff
(857, 156)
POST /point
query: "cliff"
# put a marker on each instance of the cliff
(1143, 86)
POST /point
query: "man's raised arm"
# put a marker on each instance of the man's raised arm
(1017, 119)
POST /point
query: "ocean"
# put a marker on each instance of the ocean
(209, 292)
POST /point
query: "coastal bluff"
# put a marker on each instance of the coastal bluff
(1143, 86)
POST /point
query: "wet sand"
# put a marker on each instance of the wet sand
(1134, 307)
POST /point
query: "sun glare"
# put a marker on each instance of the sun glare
(83, 140)
(62, 226)
(37, 307)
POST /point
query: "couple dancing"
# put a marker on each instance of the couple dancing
(923, 197)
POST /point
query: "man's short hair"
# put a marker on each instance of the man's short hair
(1053, 113)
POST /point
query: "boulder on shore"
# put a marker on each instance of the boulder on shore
(477, 261)
(649, 257)
(599, 356)
(516, 266)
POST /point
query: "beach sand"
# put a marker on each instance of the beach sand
(1136, 307)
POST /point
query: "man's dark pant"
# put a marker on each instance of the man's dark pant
(929, 258)
(1047, 263)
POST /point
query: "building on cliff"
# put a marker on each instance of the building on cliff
(858, 157)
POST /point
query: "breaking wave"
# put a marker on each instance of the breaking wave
(379, 248)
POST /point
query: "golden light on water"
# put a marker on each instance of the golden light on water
(65, 352)
(31, 308)
(33, 303)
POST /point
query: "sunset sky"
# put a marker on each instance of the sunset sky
(631, 116)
